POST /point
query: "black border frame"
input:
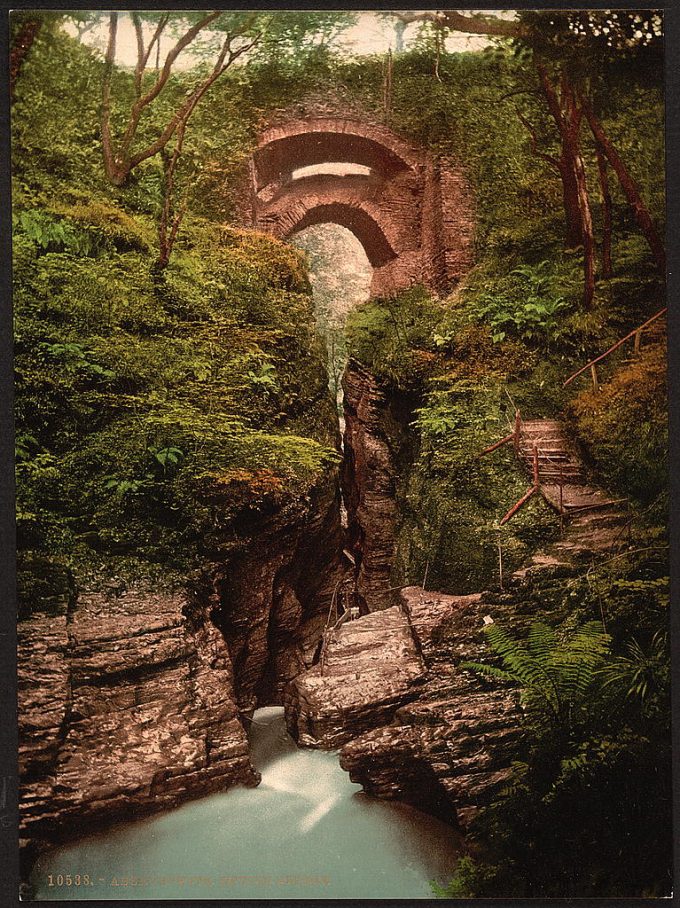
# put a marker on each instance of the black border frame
(9, 863)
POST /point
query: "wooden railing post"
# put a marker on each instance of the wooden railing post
(593, 374)
(636, 343)
(515, 434)
(536, 481)
(500, 560)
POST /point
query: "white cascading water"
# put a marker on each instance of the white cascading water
(306, 831)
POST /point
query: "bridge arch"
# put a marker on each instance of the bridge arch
(356, 219)
(411, 212)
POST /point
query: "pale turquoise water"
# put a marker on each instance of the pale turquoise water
(305, 832)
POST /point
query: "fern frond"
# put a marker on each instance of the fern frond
(542, 640)
(488, 671)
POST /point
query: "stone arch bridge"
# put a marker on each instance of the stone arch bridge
(412, 212)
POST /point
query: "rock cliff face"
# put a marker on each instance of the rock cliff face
(449, 750)
(441, 738)
(131, 701)
(369, 485)
(274, 592)
(125, 706)
(413, 726)
(367, 669)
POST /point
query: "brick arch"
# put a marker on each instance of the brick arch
(412, 213)
(355, 218)
(335, 200)
(299, 143)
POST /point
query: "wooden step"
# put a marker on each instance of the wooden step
(546, 455)
(543, 423)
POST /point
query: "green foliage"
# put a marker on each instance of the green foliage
(594, 763)
(265, 378)
(449, 485)
(51, 235)
(642, 674)
(556, 675)
(532, 313)
(624, 425)
(138, 396)
(167, 456)
(74, 358)
(393, 337)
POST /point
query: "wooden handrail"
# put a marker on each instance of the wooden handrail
(513, 437)
(602, 356)
(497, 444)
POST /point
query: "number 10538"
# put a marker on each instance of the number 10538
(68, 879)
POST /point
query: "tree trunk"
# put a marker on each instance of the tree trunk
(642, 215)
(166, 215)
(606, 250)
(399, 29)
(20, 48)
(572, 209)
(587, 226)
(387, 84)
(567, 116)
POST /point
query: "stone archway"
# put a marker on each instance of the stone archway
(412, 213)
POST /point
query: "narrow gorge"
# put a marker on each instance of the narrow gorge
(144, 700)
(341, 454)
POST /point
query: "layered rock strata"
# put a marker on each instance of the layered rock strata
(450, 749)
(369, 478)
(133, 700)
(125, 706)
(367, 669)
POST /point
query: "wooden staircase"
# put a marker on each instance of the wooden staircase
(596, 521)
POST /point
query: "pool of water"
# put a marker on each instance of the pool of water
(306, 831)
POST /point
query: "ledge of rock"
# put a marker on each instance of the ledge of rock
(450, 750)
(126, 706)
(370, 667)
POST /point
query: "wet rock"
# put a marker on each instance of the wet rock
(368, 669)
(450, 749)
(126, 707)
(369, 485)
(131, 700)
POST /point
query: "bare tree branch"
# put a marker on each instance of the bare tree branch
(479, 24)
(144, 101)
(109, 59)
(139, 68)
(567, 114)
(554, 162)
(119, 160)
(456, 21)
(224, 61)
(169, 221)
(156, 37)
(629, 186)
